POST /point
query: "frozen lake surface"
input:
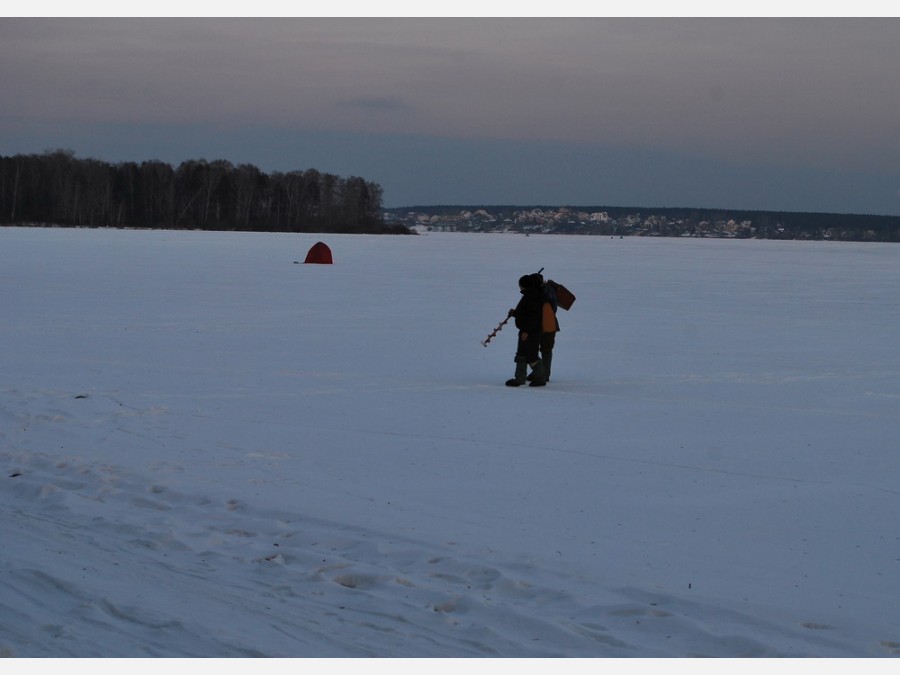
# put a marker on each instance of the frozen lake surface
(209, 450)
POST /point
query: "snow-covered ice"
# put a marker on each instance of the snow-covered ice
(208, 450)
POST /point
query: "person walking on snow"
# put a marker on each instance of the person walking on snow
(529, 318)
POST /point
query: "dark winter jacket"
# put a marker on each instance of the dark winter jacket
(529, 317)
(529, 311)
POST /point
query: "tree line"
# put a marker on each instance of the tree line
(56, 188)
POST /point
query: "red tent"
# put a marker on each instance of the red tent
(320, 254)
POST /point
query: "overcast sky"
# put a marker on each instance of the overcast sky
(774, 114)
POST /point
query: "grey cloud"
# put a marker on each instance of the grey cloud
(377, 104)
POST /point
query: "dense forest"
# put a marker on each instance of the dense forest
(56, 188)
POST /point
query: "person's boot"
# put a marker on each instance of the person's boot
(519, 379)
(539, 378)
(546, 358)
